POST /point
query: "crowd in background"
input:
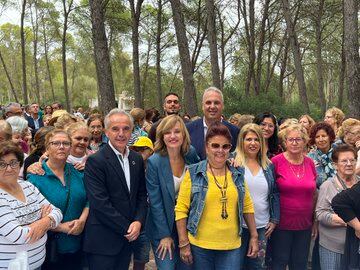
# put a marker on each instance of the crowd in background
(84, 190)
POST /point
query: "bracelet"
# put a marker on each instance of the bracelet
(184, 245)
(52, 222)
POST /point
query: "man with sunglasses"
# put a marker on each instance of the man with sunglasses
(212, 106)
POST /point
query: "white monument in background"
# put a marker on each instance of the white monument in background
(124, 100)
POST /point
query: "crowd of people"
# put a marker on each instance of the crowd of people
(87, 191)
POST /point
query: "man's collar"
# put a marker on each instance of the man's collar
(126, 155)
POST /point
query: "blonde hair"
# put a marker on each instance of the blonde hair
(293, 127)
(165, 125)
(64, 120)
(235, 116)
(309, 118)
(137, 114)
(240, 153)
(338, 115)
(346, 126)
(71, 129)
(6, 128)
(54, 132)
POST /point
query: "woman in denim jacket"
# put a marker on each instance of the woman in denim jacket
(212, 202)
(165, 170)
(259, 175)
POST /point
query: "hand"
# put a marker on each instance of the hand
(233, 162)
(45, 210)
(166, 245)
(36, 168)
(37, 230)
(357, 233)
(357, 144)
(270, 227)
(253, 247)
(185, 255)
(314, 230)
(337, 220)
(79, 166)
(76, 226)
(133, 231)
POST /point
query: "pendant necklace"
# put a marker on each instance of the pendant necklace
(223, 199)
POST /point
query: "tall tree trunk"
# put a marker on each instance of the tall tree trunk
(186, 65)
(342, 74)
(46, 52)
(146, 71)
(351, 42)
(35, 28)
(212, 39)
(23, 55)
(102, 57)
(158, 55)
(299, 73)
(319, 60)
(66, 11)
(9, 78)
(135, 20)
(283, 66)
(257, 84)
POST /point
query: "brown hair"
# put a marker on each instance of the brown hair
(96, 116)
(137, 114)
(321, 126)
(7, 148)
(342, 148)
(6, 128)
(39, 140)
(165, 125)
(54, 132)
(218, 129)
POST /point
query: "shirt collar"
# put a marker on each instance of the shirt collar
(126, 155)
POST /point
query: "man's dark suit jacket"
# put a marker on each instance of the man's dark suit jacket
(31, 124)
(112, 208)
(196, 131)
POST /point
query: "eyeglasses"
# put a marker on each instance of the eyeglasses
(216, 146)
(271, 126)
(13, 165)
(57, 144)
(345, 162)
(295, 140)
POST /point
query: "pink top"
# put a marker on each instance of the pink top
(297, 184)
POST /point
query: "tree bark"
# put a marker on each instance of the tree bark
(9, 78)
(102, 59)
(212, 39)
(66, 11)
(186, 65)
(158, 56)
(299, 73)
(135, 20)
(35, 28)
(283, 66)
(319, 59)
(351, 45)
(342, 74)
(23, 54)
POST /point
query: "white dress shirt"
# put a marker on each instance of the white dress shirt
(124, 162)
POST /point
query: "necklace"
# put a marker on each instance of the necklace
(223, 199)
(298, 172)
(342, 182)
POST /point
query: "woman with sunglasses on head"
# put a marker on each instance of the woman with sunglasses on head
(268, 124)
(165, 171)
(259, 175)
(296, 180)
(25, 214)
(332, 227)
(212, 202)
(63, 186)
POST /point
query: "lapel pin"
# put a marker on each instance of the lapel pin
(133, 162)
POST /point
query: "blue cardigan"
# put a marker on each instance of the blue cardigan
(161, 192)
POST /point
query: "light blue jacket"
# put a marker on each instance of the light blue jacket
(160, 222)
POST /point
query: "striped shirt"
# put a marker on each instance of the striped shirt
(15, 215)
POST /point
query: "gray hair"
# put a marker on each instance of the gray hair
(11, 104)
(117, 111)
(17, 123)
(213, 89)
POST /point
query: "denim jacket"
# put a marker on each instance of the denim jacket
(199, 187)
(273, 197)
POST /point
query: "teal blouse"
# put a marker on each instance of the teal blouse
(53, 190)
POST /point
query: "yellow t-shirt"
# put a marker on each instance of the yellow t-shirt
(214, 232)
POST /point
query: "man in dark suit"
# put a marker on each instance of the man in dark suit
(212, 106)
(115, 184)
(35, 122)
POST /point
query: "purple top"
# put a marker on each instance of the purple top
(297, 184)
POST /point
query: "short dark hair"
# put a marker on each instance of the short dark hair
(218, 129)
(321, 126)
(7, 148)
(95, 116)
(171, 94)
(342, 148)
